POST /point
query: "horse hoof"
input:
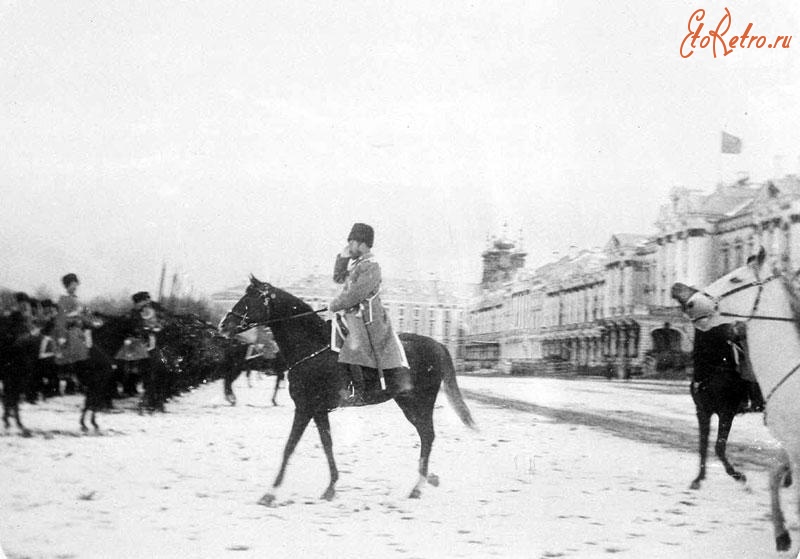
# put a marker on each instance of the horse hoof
(84, 428)
(415, 494)
(783, 542)
(738, 476)
(268, 500)
(26, 433)
(329, 494)
(695, 484)
(433, 479)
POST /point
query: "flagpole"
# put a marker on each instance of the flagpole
(719, 157)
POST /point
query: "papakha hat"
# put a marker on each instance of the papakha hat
(362, 233)
(68, 279)
(140, 296)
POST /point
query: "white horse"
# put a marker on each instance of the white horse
(759, 294)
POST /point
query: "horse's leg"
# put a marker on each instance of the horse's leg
(299, 425)
(275, 391)
(84, 428)
(94, 423)
(724, 429)
(420, 413)
(249, 382)
(704, 423)
(324, 427)
(22, 428)
(777, 475)
(232, 374)
(5, 414)
(794, 472)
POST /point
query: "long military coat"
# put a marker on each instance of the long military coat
(371, 341)
(69, 325)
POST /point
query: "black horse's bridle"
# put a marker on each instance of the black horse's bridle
(245, 323)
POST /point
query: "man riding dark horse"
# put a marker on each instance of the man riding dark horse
(361, 323)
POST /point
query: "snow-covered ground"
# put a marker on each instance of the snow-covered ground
(185, 483)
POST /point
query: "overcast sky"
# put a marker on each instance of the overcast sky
(228, 138)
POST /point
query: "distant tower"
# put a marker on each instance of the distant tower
(501, 259)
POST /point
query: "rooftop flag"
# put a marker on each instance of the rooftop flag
(730, 143)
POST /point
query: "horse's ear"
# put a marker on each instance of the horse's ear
(253, 280)
(682, 292)
(757, 260)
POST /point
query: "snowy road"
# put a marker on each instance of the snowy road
(530, 484)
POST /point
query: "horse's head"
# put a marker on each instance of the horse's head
(252, 309)
(732, 297)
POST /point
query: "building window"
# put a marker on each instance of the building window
(787, 244)
(725, 260)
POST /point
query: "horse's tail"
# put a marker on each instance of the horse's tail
(451, 388)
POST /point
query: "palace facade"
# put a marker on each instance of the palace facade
(609, 310)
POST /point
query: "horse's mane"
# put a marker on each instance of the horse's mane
(312, 320)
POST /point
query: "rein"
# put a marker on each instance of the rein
(752, 316)
(246, 324)
(292, 317)
(307, 357)
(757, 317)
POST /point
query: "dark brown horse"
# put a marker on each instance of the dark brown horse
(236, 362)
(18, 350)
(96, 374)
(717, 388)
(315, 376)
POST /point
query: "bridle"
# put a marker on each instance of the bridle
(753, 316)
(748, 317)
(246, 323)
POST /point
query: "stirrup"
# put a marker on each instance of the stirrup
(349, 398)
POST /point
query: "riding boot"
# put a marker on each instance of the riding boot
(344, 389)
(399, 381)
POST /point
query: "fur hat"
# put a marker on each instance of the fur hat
(140, 296)
(362, 233)
(68, 279)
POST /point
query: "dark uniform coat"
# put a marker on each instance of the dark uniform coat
(371, 340)
(138, 346)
